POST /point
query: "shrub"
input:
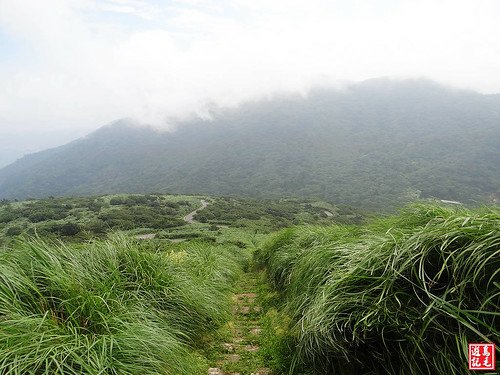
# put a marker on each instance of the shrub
(14, 231)
(69, 229)
(116, 201)
(62, 229)
(96, 226)
(8, 216)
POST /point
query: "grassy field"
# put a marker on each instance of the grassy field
(402, 295)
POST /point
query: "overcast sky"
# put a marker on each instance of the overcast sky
(70, 66)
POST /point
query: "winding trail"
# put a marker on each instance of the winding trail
(189, 218)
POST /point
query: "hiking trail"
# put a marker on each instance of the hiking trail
(238, 355)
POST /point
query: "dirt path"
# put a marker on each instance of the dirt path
(189, 218)
(238, 355)
(148, 236)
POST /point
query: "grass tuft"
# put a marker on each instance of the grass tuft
(110, 307)
(402, 295)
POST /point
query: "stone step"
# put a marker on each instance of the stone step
(218, 371)
(256, 331)
(215, 371)
(262, 371)
(232, 357)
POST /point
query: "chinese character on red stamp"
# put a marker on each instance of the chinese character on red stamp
(482, 356)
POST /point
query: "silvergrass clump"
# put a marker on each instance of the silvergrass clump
(109, 307)
(402, 295)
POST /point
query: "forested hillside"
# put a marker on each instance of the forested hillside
(374, 145)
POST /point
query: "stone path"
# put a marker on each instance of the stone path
(239, 354)
(148, 236)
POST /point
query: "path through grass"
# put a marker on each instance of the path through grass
(236, 352)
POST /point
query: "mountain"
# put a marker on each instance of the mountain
(374, 145)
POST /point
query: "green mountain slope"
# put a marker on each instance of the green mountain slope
(373, 145)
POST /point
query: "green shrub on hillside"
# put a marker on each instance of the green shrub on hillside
(272, 215)
(14, 231)
(113, 307)
(8, 215)
(64, 229)
(402, 295)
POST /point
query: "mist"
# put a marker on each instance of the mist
(68, 67)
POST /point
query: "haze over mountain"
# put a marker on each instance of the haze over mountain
(376, 144)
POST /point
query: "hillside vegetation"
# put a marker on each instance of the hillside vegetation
(145, 291)
(374, 145)
(112, 307)
(87, 217)
(402, 295)
(83, 218)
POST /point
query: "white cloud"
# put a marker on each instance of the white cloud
(136, 8)
(94, 61)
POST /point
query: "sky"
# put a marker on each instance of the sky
(68, 67)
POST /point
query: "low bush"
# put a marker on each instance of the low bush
(14, 231)
(62, 229)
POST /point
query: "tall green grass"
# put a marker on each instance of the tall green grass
(402, 295)
(110, 307)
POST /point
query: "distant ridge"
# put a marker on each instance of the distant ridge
(374, 145)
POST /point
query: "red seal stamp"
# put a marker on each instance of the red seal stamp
(482, 356)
